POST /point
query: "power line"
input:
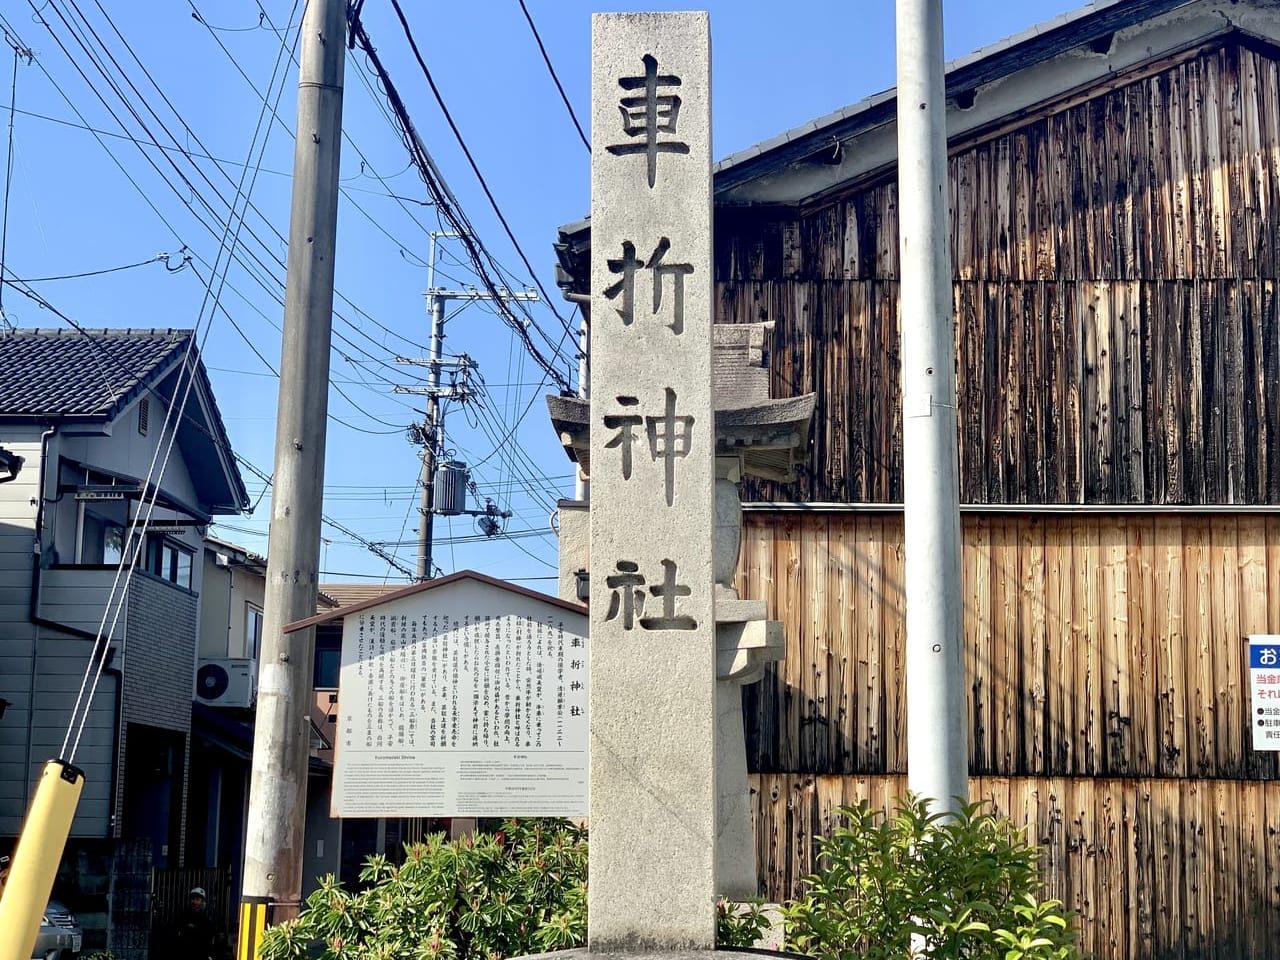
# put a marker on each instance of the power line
(46, 305)
(186, 259)
(197, 155)
(447, 205)
(133, 374)
(276, 287)
(189, 183)
(19, 52)
(546, 58)
(365, 163)
(413, 45)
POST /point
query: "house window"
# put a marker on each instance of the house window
(170, 561)
(102, 534)
(252, 630)
(112, 543)
(328, 655)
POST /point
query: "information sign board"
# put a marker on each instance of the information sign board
(451, 706)
(1264, 687)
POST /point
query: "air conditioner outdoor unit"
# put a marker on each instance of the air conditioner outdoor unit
(226, 683)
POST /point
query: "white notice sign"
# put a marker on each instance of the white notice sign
(451, 706)
(1264, 686)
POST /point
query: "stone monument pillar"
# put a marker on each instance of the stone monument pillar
(652, 794)
(680, 413)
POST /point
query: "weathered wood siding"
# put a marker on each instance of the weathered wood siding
(1097, 645)
(1116, 261)
(1107, 707)
(1155, 869)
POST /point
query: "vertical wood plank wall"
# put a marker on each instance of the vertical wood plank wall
(1105, 670)
(1155, 869)
(1116, 260)
(1115, 269)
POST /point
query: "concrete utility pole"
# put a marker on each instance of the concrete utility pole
(278, 789)
(437, 297)
(937, 757)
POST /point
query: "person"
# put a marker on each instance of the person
(197, 936)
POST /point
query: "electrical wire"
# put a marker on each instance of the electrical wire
(546, 58)
(19, 52)
(186, 259)
(274, 287)
(446, 205)
(475, 168)
(275, 290)
(188, 183)
(229, 240)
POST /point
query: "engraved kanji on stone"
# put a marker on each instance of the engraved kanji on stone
(667, 591)
(627, 598)
(628, 264)
(670, 437)
(647, 117)
(625, 425)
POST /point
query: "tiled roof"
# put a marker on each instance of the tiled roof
(47, 376)
(66, 373)
(381, 594)
(348, 593)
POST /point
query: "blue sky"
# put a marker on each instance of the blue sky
(192, 76)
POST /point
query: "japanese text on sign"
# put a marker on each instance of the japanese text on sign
(427, 693)
(1264, 685)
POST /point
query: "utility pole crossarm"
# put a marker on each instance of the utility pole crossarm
(433, 428)
(471, 293)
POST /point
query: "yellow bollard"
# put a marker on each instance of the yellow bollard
(253, 923)
(35, 862)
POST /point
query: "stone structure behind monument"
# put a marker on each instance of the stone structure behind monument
(758, 436)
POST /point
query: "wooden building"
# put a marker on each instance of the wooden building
(1115, 196)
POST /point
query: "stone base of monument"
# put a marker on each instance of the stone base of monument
(584, 954)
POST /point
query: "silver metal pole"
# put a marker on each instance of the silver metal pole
(278, 788)
(937, 760)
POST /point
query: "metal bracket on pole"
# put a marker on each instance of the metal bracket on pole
(431, 433)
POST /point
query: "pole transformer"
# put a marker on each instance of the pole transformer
(433, 427)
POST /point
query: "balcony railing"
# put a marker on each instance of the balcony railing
(75, 597)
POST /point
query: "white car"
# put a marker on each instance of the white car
(60, 935)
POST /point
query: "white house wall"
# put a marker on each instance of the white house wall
(225, 595)
(33, 726)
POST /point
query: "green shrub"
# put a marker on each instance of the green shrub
(519, 890)
(740, 924)
(966, 886)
